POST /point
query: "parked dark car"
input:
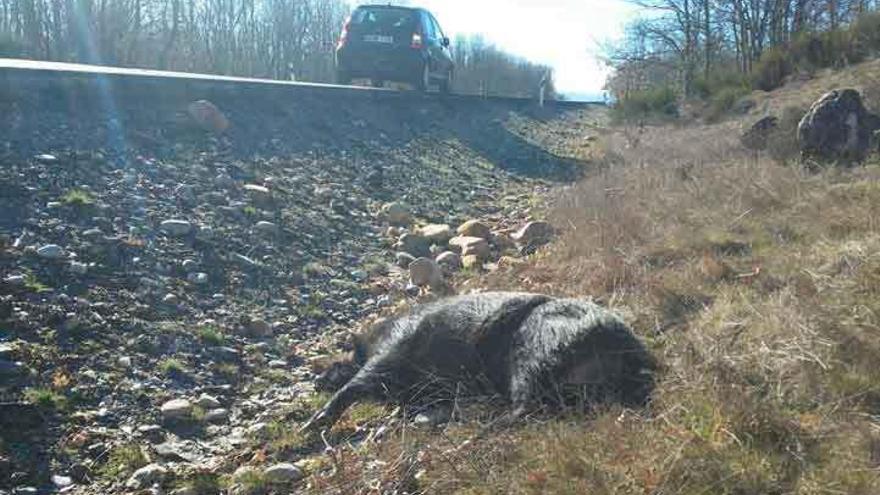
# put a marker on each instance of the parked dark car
(385, 43)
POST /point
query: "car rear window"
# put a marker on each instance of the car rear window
(383, 18)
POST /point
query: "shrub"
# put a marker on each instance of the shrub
(172, 368)
(654, 102)
(723, 100)
(770, 72)
(782, 142)
(211, 336)
(123, 460)
(78, 198)
(46, 399)
(866, 33)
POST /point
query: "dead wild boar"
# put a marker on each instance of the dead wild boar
(531, 350)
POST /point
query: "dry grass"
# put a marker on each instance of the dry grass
(757, 285)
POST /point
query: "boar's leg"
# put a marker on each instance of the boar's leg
(356, 389)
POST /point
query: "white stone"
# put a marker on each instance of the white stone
(146, 477)
(177, 228)
(176, 409)
(50, 252)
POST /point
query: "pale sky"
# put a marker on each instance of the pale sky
(561, 33)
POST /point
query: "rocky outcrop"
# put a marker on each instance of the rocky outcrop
(837, 128)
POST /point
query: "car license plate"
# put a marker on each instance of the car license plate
(375, 38)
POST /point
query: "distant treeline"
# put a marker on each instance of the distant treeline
(279, 39)
(719, 50)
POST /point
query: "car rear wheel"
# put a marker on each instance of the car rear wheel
(424, 80)
(446, 83)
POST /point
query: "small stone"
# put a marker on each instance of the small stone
(258, 430)
(218, 415)
(471, 246)
(61, 481)
(46, 158)
(177, 409)
(474, 228)
(259, 328)
(223, 180)
(449, 260)
(189, 266)
(414, 244)
(125, 362)
(397, 214)
(282, 473)
(534, 234)
(260, 194)
(502, 241)
(436, 233)
(265, 228)
(15, 280)
(206, 402)
(176, 228)
(225, 354)
(79, 268)
(170, 299)
(146, 477)
(198, 278)
(153, 433)
(50, 252)
(244, 261)
(425, 271)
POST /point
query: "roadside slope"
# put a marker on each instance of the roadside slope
(145, 260)
(757, 285)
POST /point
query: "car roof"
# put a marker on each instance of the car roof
(387, 6)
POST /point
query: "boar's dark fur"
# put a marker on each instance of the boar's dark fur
(529, 349)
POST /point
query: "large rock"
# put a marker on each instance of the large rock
(467, 246)
(837, 127)
(475, 228)
(207, 116)
(425, 271)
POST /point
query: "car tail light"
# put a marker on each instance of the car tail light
(343, 38)
(416, 41)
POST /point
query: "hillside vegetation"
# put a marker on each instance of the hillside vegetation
(756, 283)
(714, 54)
